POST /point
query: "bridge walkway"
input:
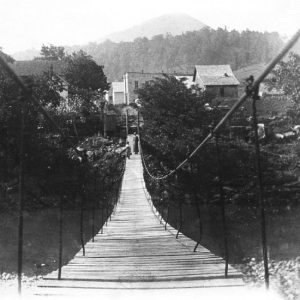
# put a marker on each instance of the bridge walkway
(136, 252)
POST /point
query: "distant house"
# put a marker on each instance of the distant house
(255, 70)
(117, 93)
(219, 80)
(136, 80)
(273, 102)
(28, 68)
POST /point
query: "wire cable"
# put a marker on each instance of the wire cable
(228, 115)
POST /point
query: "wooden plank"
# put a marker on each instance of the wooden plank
(140, 285)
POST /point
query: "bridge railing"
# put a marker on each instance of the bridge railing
(79, 181)
(214, 140)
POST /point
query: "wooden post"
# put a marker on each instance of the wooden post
(106, 210)
(138, 126)
(104, 121)
(102, 204)
(102, 217)
(260, 194)
(81, 223)
(167, 218)
(60, 239)
(126, 118)
(197, 208)
(60, 242)
(94, 207)
(200, 224)
(5, 164)
(222, 203)
(180, 219)
(21, 199)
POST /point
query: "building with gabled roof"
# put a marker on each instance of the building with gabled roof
(218, 80)
(255, 70)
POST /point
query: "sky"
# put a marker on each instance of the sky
(27, 24)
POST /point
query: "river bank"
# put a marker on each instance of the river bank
(244, 241)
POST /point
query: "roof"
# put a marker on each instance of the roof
(188, 80)
(216, 75)
(159, 73)
(37, 67)
(118, 87)
(243, 73)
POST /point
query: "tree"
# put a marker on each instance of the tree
(47, 88)
(82, 72)
(173, 115)
(52, 53)
(286, 77)
(182, 52)
(87, 82)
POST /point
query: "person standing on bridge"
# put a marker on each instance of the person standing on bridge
(128, 150)
(136, 143)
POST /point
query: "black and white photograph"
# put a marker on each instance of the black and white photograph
(150, 149)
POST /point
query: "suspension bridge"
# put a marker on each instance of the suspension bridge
(135, 251)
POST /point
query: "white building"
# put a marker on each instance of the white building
(118, 95)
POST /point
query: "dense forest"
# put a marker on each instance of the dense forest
(180, 53)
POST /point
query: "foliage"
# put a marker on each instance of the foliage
(42, 144)
(47, 88)
(52, 53)
(83, 73)
(284, 276)
(173, 116)
(181, 53)
(286, 77)
(87, 83)
(175, 122)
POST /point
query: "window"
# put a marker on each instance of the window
(136, 85)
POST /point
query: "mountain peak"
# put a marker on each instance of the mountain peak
(174, 24)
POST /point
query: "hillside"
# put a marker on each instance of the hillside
(182, 52)
(176, 43)
(174, 24)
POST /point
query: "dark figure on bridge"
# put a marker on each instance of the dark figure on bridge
(136, 144)
(128, 150)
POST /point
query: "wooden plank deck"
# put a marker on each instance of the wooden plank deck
(136, 252)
